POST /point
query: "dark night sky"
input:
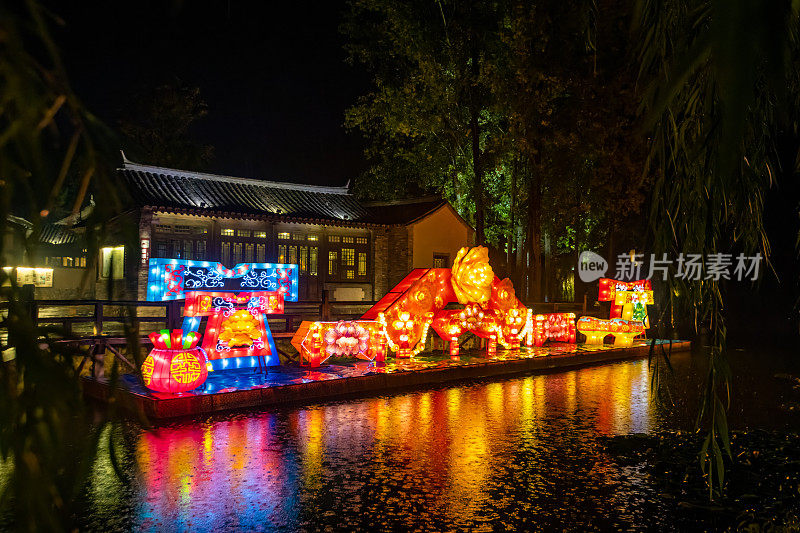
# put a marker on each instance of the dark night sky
(273, 74)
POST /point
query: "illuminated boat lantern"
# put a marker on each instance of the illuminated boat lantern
(628, 315)
(176, 363)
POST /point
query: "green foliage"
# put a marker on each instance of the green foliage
(429, 65)
(717, 74)
(556, 117)
(48, 144)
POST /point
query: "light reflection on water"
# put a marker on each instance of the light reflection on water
(517, 453)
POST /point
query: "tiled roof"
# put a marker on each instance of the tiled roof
(49, 233)
(403, 211)
(55, 234)
(196, 192)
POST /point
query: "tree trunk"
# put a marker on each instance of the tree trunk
(534, 238)
(519, 264)
(477, 183)
(577, 285)
(611, 243)
(512, 230)
(474, 125)
(548, 268)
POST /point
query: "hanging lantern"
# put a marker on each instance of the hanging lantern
(176, 363)
(454, 347)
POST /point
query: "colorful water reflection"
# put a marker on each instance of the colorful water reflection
(514, 454)
(483, 454)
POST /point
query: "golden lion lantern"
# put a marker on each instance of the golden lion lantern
(472, 276)
(404, 316)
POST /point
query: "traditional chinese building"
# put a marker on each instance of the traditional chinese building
(354, 250)
(59, 254)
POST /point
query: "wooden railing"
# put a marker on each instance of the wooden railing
(83, 318)
(99, 324)
(75, 317)
(80, 318)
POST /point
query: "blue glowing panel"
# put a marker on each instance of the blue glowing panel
(168, 279)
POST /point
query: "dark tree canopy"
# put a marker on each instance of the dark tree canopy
(514, 113)
(157, 126)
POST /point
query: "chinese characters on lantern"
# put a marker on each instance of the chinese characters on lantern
(175, 364)
(237, 302)
(628, 315)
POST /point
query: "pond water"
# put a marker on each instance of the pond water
(519, 453)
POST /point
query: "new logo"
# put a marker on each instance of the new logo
(591, 267)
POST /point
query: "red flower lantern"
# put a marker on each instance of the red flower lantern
(176, 363)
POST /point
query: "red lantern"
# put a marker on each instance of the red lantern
(491, 346)
(454, 348)
(380, 350)
(176, 363)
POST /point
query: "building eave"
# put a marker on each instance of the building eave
(262, 216)
(447, 205)
(128, 165)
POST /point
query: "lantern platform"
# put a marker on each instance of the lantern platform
(286, 384)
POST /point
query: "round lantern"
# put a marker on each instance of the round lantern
(176, 363)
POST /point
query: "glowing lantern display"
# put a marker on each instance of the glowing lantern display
(346, 339)
(513, 316)
(237, 324)
(629, 298)
(628, 315)
(175, 364)
(596, 329)
(404, 316)
(472, 275)
(555, 326)
(491, 309)
(486, 324)
(407, 319)
(317, 341)
(232, 338)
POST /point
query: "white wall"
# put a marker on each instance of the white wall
(441, 232)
